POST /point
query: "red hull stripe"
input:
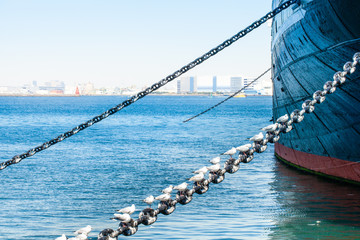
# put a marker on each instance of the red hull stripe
(332, 167)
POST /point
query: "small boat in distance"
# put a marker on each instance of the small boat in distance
(240, 95)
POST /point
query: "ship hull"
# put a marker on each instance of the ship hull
(311, 42)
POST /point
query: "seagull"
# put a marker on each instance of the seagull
(201, 170)
(231, 152)
(81, 237)
(128, 210)
(197, 178)
(163, 197)
(244, 148)
(149, 200)
(270, 128)
(283, 118)
(257, 137)
(63, 237)
(215, 160)
(125, 218)
(214, 168)
(168, 190)
(84, 230)
(181, 187)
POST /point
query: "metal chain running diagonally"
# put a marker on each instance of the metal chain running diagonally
(231, 96)
(283, 124)
(169, 78)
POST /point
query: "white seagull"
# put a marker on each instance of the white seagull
(168, 190)
(270, 128)
(81, 237)
(201, 170)
(244, 148)
(63, 237)
(283, 118)
(231, 152)
(214, 168)
(215, 160)
(257, 137)
(181, 187)
(149, 200)
(163, 197)
(84, 230)
(128, 210)
(125, 218)
(197, 178)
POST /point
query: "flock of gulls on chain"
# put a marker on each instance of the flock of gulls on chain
(245, 155)
(128, 226)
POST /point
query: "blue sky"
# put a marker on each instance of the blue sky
(121, 43)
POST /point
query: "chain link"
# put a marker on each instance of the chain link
(246, 153)
(155, 86)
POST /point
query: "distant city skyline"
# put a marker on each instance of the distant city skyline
(122, 43)
(182, 85)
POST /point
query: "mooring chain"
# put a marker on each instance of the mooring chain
(129, 226)
(212, 52)
(231, 96)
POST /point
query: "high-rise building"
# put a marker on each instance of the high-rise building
(187, 85)
(236, 84)
(214, 84)
(192, 84)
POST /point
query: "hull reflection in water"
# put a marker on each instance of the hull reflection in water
(314, 208)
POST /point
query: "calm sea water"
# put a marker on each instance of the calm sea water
(143, 149)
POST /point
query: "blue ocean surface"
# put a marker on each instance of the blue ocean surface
(145, 148)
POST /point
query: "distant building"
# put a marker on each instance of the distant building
(187, 85)
(214, 84)
(236, 84)
(53, 87)
(247, 81)
(87, 89)
(262, 87)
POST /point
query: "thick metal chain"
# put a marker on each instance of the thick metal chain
(212, 52)
(231, 96)
(246, 154)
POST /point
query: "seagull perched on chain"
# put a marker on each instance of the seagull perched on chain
(201, 170)
(197, 178)
(214, 168)
(129, 210)
(270, 128)
(257, 137)
(283, 118)
(181, 187)
(244, 148)
(168, 190)
(149, 200)
(63, 237)
(125, 218)
(163, 197)
(215, 160)
(79, 237)
(231, 152)
(86, 230)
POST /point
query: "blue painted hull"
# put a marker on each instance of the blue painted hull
(310, 42)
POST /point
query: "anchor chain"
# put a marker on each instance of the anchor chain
(169, 78)
(246, 153)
